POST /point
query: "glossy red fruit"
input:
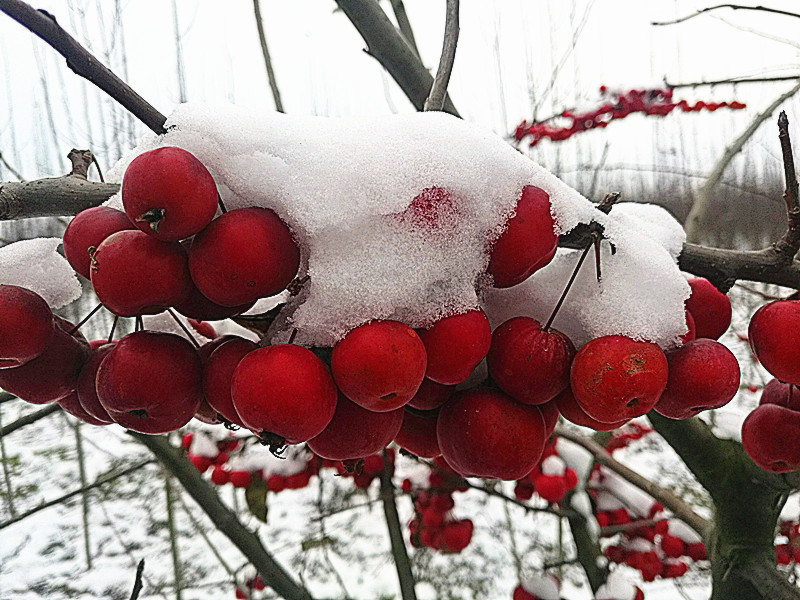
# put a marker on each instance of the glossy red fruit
(431, 395)
(87, 231)
(572, 412)
(783, 394)
(151, 382)
(529, 363)
(283, 390)
(26, 325)
(703, 374)
(766, 436)
(710, 308)
(550, 415)
(550, 488)
(86, 387)
(169, 194)
(206, 349)
(71, 405)
(54, 373)
(379, 365)
(417, 434)
(355, 432)
(244, 255)
(201, 308)
(457, 535)
(672, 546)
(455, 345)
(774, 335)
(691, 330)
(218, 374)
(615, 378)
(528, 242)
(134, 274)
(485, 433)
(206, 414)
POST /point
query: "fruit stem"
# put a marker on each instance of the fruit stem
(84, 319)
(139, 325)
(113, 327)
(185, 329)
(221, 204)
(569, 285)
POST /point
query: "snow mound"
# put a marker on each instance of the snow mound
(344, 187)
(37, 266)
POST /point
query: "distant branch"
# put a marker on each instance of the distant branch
(388, 46)
(137, 583)
(678, 507)
(10, 169)
(399, 551)
(732, 7)
(29, 419)
(435, 100)
(262, 38)
(82, 62)
(731, 80)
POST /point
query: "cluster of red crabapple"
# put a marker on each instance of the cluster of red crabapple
(618, 105)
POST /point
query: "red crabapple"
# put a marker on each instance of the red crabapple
(783, 394)
(572, 412)
(26, 325)
(151, 382)
(201, 308)
(528, 242)
(135, 274)
(218, 373)
(774, 335)
(207, 414)
(691, 330)
(550, 415)
(767, 436)
(703, 374)
(87, 231)
(616, 378)
(283, 390)
(529, 363)
(244, 255)
(87, 383)
(72, 405)
(169, 194)
(417, 434)
(379, 365)
(710, 308)
(485, 433)
(431, 395)
(355, 432)
(455, 345)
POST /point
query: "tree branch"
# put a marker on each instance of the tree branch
(29, 419)
(137, 583)
(678, 507)
(223, 518)
(730, 80)
(262, 38)
(82, 62)
(399, 551)
(732, 7)
(435, 100)
(388, 46)
(404, 24)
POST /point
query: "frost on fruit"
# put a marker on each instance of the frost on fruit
(36, 265)
(343, 185)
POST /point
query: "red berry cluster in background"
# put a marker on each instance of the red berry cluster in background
(551, 479)
(616, 105)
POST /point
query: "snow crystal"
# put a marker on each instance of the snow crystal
(543, 587)
(343, 185)
(576, 457)
(36, 265)
(553, 465)
(616, 587)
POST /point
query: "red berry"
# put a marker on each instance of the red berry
(672, 546)
(520, 593)
(151, 382)
(783, 394)
(616, 378)
(696, 551)
(710, 308)
(87, 231)
(550, 414)
(551, 488)
(417, 434)
(133, 274)
(244, 255)
(240, 479)
(72, 405)
(380, 365)
(455, 345)
(201, 463)
(691, 330)
(528, 242)
(373, 465)
(26, 325)
(219, 476)
(86, 387)
(703, 374)
(431, 395)
(218, 374)
(485, 433)
(572, 412)
(284, 390)
(457, 535)
(766, 433)
(199, 307)
(774, 335)
(355, 432)
(530, 364)
(276, 483)
(169, 194)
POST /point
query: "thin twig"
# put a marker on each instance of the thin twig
(87, 544)
(12, 509)
(137, 583)
(29, 419)
(678, 507)
(11, 169)
(82, 62)
(173, 536)
(403, 24)
(610, 530)
(730, 80)
(732, 7)
(399, 551)
(435, 99)
(262, 38)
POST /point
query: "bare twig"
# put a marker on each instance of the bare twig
(262, 38)
(137, 583)
(730, 80)
(11, 169)
(615, 529)
(100, 481)
(87, 543)
(403, 24)
(12, 509)
(399, 551)
(29, 419)
(435, 100)
(732, 7)
(790, 242)
(173, 536)
(388, 46)
(678, 507)
(82, 62)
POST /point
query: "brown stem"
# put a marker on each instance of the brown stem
(435, 100)
(732, 7)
